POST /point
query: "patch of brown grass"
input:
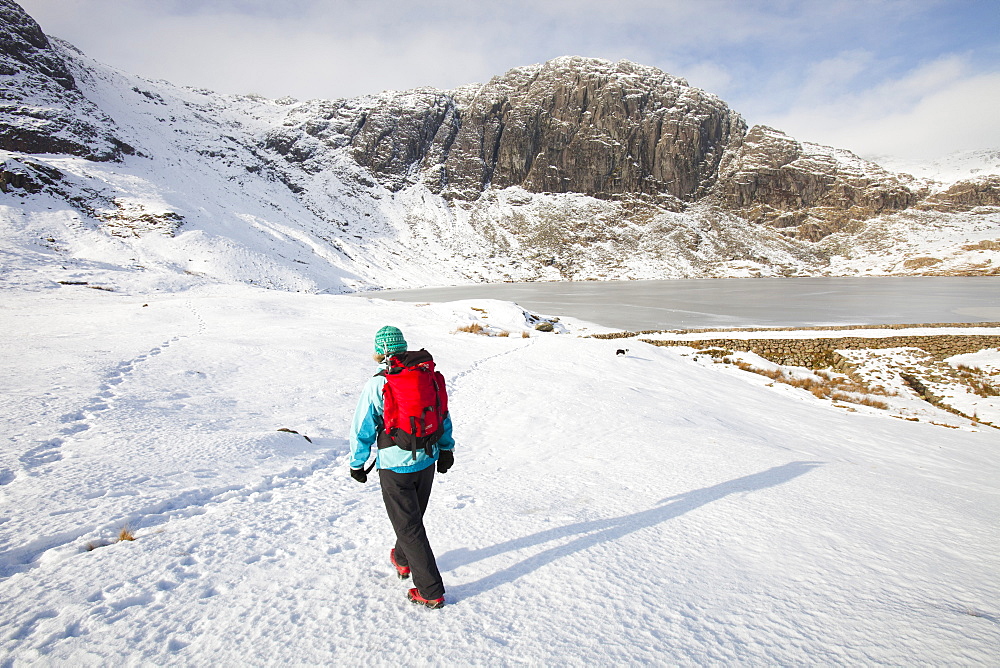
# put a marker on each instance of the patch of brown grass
(822, 385)
(983, 245)
(974, 378)
(921, 262)
(864, 400)
(474, 328)
(126, 533)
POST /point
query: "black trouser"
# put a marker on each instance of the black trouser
(406, 496)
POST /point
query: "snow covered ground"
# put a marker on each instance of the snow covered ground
(603, 509)
(949, 168)
(964, 386)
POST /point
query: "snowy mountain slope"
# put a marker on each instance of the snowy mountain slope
(233, 213)
(950, 168)
(918, 243)
(602, 510)
(236, 219)
(103, 174)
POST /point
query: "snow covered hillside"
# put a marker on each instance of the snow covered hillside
(603, 509)
(199, 201)
(950, 168)
(573, 169)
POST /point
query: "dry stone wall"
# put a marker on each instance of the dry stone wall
(821, 353)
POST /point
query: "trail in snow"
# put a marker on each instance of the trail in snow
(602, 509)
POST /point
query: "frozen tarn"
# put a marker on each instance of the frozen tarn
(603, 509)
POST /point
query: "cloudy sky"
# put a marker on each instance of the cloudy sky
(913, 78)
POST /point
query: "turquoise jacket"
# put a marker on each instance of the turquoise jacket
(364, 432)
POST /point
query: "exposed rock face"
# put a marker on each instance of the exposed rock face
(392, 134)
(772, 179)
(592, 127)
(41, 108)
(26, 175)
(570, 125)
(965, 195)
(607, 130)
(24, 43)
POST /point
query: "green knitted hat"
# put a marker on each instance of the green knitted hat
(389, 340)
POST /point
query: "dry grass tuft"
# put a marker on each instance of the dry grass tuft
(921, 262)
(476, 328)
(975, 379)
(983, 245)
(126, 533)
(525, 335)
(822, 385)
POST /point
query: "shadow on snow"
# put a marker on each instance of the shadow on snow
(594, 532)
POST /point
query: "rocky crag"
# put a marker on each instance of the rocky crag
(42, 108)
(575, 168)
(613, 130)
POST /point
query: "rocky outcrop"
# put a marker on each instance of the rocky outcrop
(569, 125)
(965, 195)
(393, 135)
(772, 179)
(41, 108)
(26, 175)
(609, 131)
(822, 353)
(25, 46)
(592, 127)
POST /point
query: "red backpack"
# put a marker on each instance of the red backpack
(415, 403)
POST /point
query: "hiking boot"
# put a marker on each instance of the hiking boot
(402, 571)
(432, 603)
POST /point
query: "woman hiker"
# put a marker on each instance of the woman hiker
(403, 411)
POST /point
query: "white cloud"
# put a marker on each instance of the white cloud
(322, 54)
(935, 109)
(204, 42)
(707, 76)
(830, 78)
(819, 69)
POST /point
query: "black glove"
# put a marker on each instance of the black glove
(359, 475)
(445, 460)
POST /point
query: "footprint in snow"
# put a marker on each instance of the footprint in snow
(74, 429)
(336, 549)
(459, 501)
(45, 453)
(174, 645)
